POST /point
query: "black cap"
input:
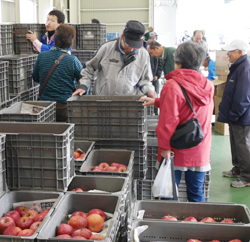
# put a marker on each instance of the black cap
(133, 34)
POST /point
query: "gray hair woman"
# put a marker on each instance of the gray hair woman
(174, 110)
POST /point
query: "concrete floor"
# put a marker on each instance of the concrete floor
(220, 190)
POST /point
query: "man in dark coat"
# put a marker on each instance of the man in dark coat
(234, 109)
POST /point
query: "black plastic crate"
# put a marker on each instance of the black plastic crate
(107, 117)
(12, 113)
(109, 156)
(83, 55)
(20, 71)
(6, 39)
(21, 44)
(75, 27)
(72, 202)
(39, 155)
(144, 190)
(90, 36)
(4, 84)
(182, 232)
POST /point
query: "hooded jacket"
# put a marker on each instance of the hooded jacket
(174, 110)
(117, 73)
(235, 105)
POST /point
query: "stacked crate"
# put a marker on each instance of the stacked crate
(89, 38)
(23, 45)
(6, 39)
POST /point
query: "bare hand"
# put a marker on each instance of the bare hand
(166, 154)
(149, 101)
(79, 91)
(155, 78)
(152, 94)
(31, 36)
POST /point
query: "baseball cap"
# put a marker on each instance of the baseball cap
(133, 34)
(151, 34)
(236, 45)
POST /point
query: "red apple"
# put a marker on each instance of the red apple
(208, 220)
(190, 219)
(40, 217)
(104, 165)
(115, 165)
(97, 168)
(24, 222)
(22, 210)
(77, 222)
(6, 222)
(193, 240)
(78, 237)
(13, 214)
(76, 154)
(12, 230)
(97, 211)
(112, 168)
(81, 156)
(64, 229)
(35, 225)
(31, 214)
(95, 223)
(227, 220)
(64, 236)
(80, 213)
(26, 233)
(214, 240)
(122, 169)
(77, 190)
(122, 165)
(97, 237)
(45, 211)
(169, 217)
(235, 240)
(86, 233)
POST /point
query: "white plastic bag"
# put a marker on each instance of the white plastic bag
(163, 186)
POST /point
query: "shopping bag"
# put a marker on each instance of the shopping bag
(163, 184)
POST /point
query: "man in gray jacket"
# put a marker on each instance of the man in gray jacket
(122, 67)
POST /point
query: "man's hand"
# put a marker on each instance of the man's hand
(79, 91)
(31, 36)
(149, 101)
(155, 78)
(166, 154)
(152, 94)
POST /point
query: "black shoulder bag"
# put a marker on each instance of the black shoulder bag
(190, 133)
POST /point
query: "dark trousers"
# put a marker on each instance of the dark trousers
(240, 150)
(156, 84)
(61, 112)
(194, 181)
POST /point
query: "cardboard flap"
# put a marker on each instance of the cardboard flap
(218, 82)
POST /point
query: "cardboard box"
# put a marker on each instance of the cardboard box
(221, 128)
(219, 87)
(222, 63)
(217, 101)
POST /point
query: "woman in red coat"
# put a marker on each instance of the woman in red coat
(174, 110)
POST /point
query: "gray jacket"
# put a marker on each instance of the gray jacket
(117, 73)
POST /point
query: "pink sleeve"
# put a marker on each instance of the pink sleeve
(37, 45)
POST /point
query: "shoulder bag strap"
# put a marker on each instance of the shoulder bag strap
(187, 99)
(50, 73)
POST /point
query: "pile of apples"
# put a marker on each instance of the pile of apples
(193, 219)
(80, 225)
(21, 222)
(113, 167)
(79, 154)
(196, 240)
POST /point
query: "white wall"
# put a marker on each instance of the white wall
(165, 23)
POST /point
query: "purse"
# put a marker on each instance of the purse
(190, 133)
(49, 74)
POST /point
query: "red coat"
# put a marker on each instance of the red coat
(174, 110)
